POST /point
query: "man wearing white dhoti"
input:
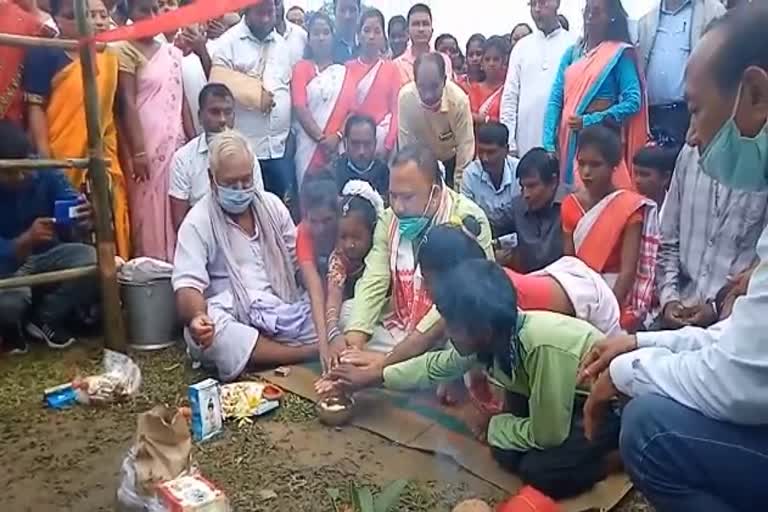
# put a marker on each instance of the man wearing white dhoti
(235, 271)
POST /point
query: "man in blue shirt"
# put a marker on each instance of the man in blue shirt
(347, 20)
(491, 180)
(32, 243)
(666, 37)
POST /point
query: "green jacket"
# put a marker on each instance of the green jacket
(552, 346)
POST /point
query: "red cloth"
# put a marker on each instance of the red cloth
(191, 14)
(534, 292)
(305, 246)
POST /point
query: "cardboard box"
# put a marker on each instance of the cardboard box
(192, 494)
(205, 402)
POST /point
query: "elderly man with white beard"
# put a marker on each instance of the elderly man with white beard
(235, 272)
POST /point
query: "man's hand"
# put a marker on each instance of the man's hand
(193, 37)
(602, 353)
(352, 378)
(702, 315)
(202, 330)
(42, 231)
(84, 216)
(362, 358)
(603, 391)
(673, 316)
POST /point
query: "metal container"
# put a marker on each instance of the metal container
(335, 411)
(150, 313)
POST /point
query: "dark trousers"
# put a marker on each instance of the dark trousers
(683, 461)
(669, 124)
(279, 176)
(54, 303)
(571, 468)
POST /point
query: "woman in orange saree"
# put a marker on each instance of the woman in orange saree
(598, 82)
(54, 93)
(376, 82)
(614, 231)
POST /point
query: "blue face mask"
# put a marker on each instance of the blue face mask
(737, 161)
(412, 226)
(234, 200)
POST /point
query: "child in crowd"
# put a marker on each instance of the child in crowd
(359, 209)
(315, 240)
(653, 172)
(614, 231)
(331, 243)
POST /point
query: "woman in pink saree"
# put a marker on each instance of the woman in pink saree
(377, 82)
(321, 97)
(598, 82)
(157, 123)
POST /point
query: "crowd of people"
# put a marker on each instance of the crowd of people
(543, 223)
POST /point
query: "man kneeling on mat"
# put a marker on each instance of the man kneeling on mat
(535, 354)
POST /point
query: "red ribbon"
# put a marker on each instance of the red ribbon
(197, 12)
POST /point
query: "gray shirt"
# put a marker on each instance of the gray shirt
(539, 233)
(708, 233)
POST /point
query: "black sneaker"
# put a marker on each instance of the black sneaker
(56, 338)
(12, 341)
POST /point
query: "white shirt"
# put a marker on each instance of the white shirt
(194, 79)
(296, 37)
(721, 372)
(533, 66)
(239, 50)
(199, 263)
(189, 172)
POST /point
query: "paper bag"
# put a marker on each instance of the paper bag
(248, 90)
(163, 447)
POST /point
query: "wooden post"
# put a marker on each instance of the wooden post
(114, 330)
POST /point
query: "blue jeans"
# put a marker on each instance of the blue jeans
(51, 303)
(683, 461)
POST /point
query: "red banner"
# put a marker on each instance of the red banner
(197, 12)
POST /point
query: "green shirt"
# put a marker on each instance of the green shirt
(372, 289)
(552, 346)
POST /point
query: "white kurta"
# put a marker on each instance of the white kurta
(199, 264)
(533, 66)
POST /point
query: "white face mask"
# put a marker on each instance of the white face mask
(737, 161)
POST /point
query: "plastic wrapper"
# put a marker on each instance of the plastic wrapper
(121, 379)
(144, 270)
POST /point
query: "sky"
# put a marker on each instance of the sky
(490, 17)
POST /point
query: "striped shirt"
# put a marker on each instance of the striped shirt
(708, 233)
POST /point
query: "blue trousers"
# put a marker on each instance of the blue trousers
(683, 461)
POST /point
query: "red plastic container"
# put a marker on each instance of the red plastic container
(528, 500)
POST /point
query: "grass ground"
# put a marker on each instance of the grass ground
(69, 460)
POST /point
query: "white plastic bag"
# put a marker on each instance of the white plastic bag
(128, 499)
(121, 379)
(144, 270)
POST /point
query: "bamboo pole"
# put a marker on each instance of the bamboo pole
(42, 42)
(58, 276)
(32, 163)
(114, 330)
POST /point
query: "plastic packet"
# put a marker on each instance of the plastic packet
(121, 379)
